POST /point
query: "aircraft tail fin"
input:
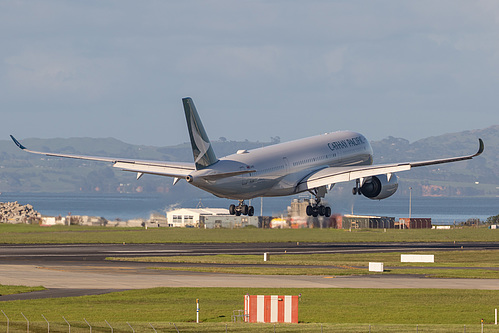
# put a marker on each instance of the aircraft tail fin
(202, 149)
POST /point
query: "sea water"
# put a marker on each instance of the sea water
(442, 210)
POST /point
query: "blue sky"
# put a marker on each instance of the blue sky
(255, 69)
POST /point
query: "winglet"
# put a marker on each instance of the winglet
(17, 143)
(481, 148)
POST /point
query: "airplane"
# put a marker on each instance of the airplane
(314, 164)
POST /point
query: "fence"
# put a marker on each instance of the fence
(105, 326)
(42, 326)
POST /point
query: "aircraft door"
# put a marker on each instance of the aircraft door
(245, 177)
(286, 164)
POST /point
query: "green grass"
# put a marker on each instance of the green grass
(434, 273)
(460, 258)
(33, 234)
(9, 290)
(335, 306)
(448, 264)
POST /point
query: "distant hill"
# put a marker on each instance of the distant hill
(447, 179)
(23, 172)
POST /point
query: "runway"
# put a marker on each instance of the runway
(70, 270)
(97, 252)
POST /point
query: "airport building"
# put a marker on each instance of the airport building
(363, 221)
(208, 218)
(297, 218)
(414, 223)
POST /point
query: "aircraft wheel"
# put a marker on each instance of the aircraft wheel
(315, 212)
(232, 209)
(354, 191)
(251, 211)
(359, 191)
(328, 212)
(244, 210)
(322, 210)
(309, 210)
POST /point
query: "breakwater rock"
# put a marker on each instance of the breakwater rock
(13, 212)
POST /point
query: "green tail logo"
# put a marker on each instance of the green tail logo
(202, 150)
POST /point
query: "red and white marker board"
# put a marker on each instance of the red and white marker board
(270, 309)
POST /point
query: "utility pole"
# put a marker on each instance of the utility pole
(410, 203)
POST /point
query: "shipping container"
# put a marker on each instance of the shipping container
(363, 222)
(228, 221)
(414, 223)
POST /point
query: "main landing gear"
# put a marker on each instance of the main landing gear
(317, 209)
(241, 209)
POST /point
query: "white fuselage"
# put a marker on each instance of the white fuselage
(279, 168)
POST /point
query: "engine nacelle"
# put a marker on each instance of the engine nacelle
(379, 187)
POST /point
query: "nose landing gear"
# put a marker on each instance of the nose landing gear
(241, 209)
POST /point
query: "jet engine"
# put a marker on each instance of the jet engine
(379, 187)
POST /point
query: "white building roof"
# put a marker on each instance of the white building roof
(200, 211)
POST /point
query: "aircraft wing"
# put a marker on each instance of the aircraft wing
(171, 169)
(333, 175)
